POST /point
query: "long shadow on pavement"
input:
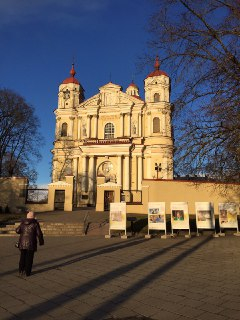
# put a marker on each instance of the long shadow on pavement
(96, 252)
(109, 306)
(75, 292)
(80, 256)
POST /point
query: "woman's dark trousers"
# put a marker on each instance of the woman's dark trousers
(26, 262)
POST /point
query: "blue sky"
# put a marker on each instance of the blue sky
(40, 38)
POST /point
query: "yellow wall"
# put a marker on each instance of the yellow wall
(12, 193)
(186, 191)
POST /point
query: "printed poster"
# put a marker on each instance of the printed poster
(156, 216)
(228, 215)
(204, 215)
(117, 216)
(179, 215)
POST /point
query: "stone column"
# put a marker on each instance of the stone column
(129, 124)
(149, 123)
(75, 173)
(119, 170)
(88, 126)
(140, 125)
(84, 173)
(54, 173)
(95, 126)
(139, 173)
(58, 127)
(126, 173)
(75, 167)
(164, 112)
(71, 126)
(91, 179)
(149, 171)
(79, 128)
(121, 125)
(168, 124)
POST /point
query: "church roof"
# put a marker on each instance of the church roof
(132, 84)
(157, 71)
(71, 79)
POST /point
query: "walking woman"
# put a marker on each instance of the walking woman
(29, 231)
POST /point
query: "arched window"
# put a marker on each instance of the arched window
(156, 125)
(64, 130)
(156, 97)
(109, 131)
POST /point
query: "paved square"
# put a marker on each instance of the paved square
(96, 278)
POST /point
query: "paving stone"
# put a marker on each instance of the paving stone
(231, 314)
(97, 278)
(211, 308)
(166, 315)
(191, 302)
(212, 316)
(189, 312)
(233, 305)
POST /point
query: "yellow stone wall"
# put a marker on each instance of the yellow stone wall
(185, 191)
(13, 193)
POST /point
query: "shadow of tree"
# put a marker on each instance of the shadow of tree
(79, 256)
(108, 306)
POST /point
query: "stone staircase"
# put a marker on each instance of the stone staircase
(98, 228)
(49, 229)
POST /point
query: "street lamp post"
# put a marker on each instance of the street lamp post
(158, 168)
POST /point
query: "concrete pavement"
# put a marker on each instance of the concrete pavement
(92, 277)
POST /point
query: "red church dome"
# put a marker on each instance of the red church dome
(71, 79)
(157, 71)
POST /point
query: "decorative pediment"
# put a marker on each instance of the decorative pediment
(91, 102)
(110, 87)
(128, 99)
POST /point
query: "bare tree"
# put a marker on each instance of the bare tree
(199, 45)
(19, 136)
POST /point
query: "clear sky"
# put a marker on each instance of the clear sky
(39, 39)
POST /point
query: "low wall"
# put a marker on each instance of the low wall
(13, 193)
(186, 191)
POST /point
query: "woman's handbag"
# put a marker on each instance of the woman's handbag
(17, 244)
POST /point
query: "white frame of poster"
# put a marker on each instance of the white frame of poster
(207, 219)
(181, 223)
(118, 217)
(227, 207)
(157, 213)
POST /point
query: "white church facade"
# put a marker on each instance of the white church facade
(115, 137)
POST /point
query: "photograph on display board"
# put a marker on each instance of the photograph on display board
(156, 216)
(117, 216)
(204, 215)
(179, 215)
(228, 215)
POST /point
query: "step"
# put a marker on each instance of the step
(61, 229)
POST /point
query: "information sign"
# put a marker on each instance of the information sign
(179, 215)
(204, 215)
(156, 216)
(228, 215)
(117, 216)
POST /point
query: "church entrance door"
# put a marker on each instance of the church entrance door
(59, 199)
(108, 198)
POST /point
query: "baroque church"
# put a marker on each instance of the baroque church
(114, 137)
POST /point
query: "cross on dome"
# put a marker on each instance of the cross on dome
(157, 63)
(71, 79)
(157, 72)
